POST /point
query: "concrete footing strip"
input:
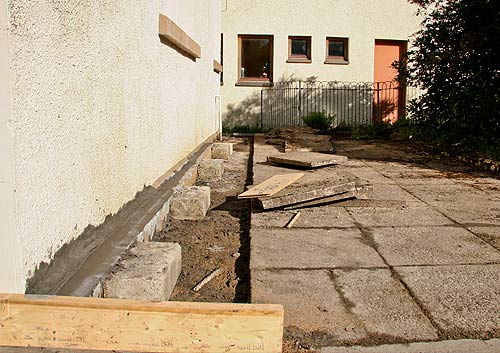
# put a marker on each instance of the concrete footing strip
(75, 273)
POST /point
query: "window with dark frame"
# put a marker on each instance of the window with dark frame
(337, 50)
(255, 59)
(299, 49)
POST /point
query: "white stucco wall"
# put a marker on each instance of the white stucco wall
(10, 265)
(362, 21)
(100, 109)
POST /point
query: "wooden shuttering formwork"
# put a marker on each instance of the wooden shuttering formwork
(126, 325)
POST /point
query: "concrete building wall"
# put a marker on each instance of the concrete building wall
(362, 21)
(10, 270)
(100, 108)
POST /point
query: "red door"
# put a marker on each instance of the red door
(388, 97)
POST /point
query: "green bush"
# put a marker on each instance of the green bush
(319, 120)
(454, 57)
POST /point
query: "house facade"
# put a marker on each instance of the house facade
(271, 41)
(94, 107)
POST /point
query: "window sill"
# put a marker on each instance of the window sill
(256, 83)
(336, 62)
(299, 61)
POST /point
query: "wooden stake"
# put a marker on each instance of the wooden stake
(206, 280)
(293, 220)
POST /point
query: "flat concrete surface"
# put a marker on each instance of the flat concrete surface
(416, 260)
(306, 159)
(312, 248)
(307, 294)
(461, 300)
(383, 305)
(456, 346)
(432, 245)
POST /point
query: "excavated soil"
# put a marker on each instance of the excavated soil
(220, 240)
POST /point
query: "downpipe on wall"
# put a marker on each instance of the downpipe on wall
(218, 117)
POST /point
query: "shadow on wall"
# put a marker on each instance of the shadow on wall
(247, 112)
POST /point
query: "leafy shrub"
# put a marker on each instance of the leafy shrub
(319, 120)
(454, 57)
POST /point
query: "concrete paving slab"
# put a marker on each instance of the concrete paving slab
(473, 213)
(148, 272)
(432, 245)
(453, 193)
(314, 186)
(318, 217)
(463, 301)
(323, 315)
(383, 305)
(372, 176)
(311, 248)
(360, 191)
(487, 233)
(413, 214)
(389, 192)
(455, 346)
(306, 159)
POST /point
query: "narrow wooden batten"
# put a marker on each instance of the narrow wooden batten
(217, 67)
(174, 35)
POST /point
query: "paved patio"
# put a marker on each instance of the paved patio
(418, 260)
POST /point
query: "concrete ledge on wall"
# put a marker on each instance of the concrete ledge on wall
(174, 36)
(79, 267)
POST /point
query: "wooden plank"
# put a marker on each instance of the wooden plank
(293, 220)
(271, 186)
(174, 35)
(125, 325)
(217, 67)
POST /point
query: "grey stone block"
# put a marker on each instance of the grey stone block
(211, 170)
(222, 150)
(190, 203)
(148, 272)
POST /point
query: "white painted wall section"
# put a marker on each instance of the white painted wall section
(100, 108)
(362, 21)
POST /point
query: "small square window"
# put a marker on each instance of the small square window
(299, 49)
(337, 50)
(255, 59)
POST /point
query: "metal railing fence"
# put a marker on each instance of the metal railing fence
(351, 103)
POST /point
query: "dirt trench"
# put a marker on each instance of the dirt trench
(221, 239)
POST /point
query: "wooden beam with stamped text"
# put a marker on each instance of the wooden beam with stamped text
(126, 325)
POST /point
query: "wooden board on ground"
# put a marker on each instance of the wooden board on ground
(313, 187)
(271, 186)
(126, 325)
(306, 159)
